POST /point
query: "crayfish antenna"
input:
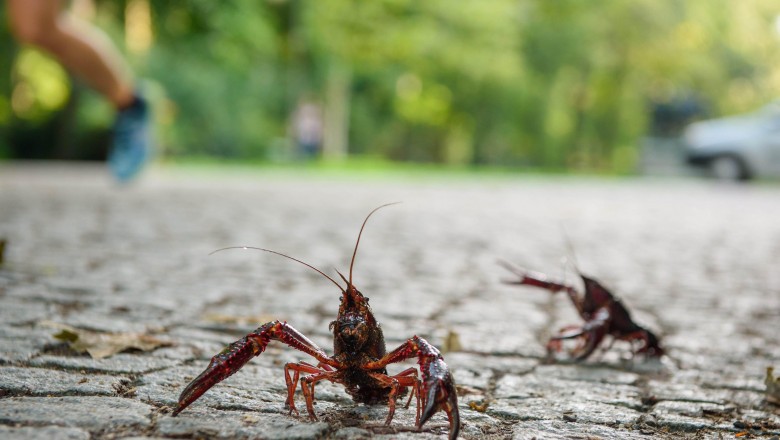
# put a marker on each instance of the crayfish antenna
(354, 252)
(344, 278)
(520, 272)
(283, 255)
(524, 275)
(507, 265)
(570, 251)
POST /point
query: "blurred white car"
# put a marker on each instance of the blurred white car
(737, 147)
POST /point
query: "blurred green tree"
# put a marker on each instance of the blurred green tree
(532, 83)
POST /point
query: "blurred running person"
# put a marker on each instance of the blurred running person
(87, 52)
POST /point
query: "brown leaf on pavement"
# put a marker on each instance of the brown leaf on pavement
(451, 342)
(772, 386)
(100, 345)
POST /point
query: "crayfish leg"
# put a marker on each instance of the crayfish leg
(650, 345)
(307, 387)
(590, 336)
(404, 379)
(292, 382)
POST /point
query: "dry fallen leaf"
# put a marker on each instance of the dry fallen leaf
(250, 419)
(100, 345)
(480, 406)
(451, 342)
(772, 386)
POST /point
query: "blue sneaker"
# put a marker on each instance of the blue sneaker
(132, 142)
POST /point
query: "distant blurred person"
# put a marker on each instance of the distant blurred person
(87, 52)
(307, 128)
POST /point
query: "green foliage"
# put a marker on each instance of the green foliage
(561, 84)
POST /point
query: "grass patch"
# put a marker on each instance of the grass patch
(360, 167)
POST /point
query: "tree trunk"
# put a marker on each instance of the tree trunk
(338, 94)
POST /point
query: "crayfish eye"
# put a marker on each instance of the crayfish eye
(353, 333)
(352, 327)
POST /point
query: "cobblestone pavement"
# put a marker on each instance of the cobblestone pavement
(696, 262)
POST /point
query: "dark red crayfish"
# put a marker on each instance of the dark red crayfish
(359, 361)
(604, 314)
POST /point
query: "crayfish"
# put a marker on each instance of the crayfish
(604, 314)
(359, 361)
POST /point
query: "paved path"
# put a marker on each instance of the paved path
(697, 262)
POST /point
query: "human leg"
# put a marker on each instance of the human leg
(80, 47)
(86, 51)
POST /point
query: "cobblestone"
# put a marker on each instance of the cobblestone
(91, 413)
(43, 433)
(694, 261)
(42, 382)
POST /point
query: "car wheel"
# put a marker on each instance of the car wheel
(729, 168)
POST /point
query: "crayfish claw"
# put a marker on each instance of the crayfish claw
(291, 407)
(223, 365)
(214, 374)
(440, 395)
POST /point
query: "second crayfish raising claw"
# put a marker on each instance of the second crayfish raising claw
(604, 314)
